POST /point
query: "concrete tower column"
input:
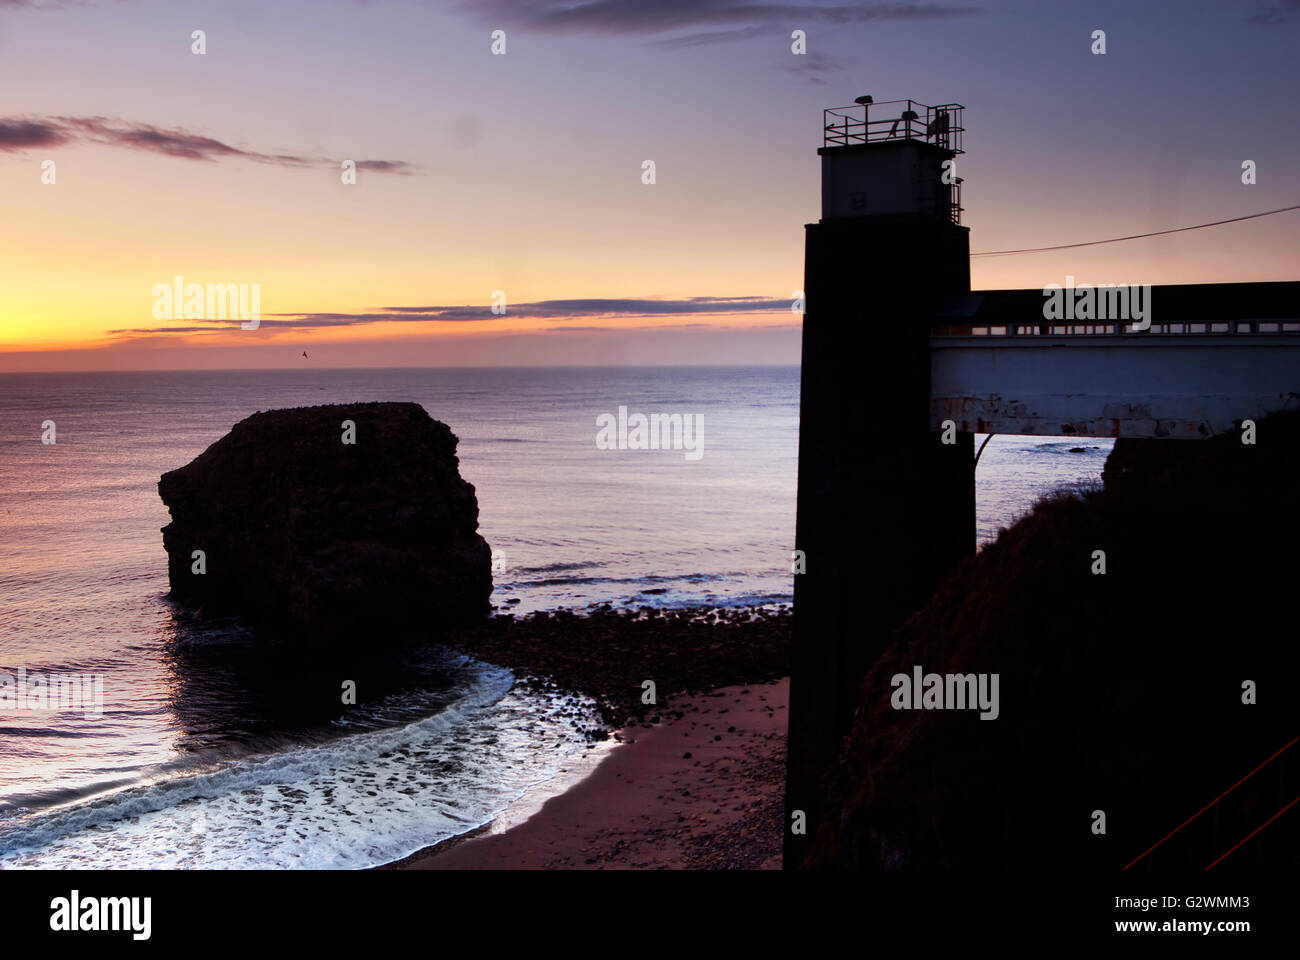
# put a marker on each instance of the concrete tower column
(884, 509)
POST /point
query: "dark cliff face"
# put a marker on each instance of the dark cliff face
(311, 538)
(1120, 692)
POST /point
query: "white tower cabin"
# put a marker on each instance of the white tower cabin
(889, 158)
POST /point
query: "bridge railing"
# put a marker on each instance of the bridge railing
(1049, 328)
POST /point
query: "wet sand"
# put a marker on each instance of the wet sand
(701, 789)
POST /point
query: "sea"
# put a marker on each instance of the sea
(193, 752)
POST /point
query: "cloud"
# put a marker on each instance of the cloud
(22, 134)
(738, 21)
(47, 4)
(169, 141)
(542, 309)
(1277, 12)
(399, 167)
(719, 36)
(814, 67)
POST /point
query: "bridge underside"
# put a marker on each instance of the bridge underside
(1111, 386)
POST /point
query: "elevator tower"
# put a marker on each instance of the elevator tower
(885, 510)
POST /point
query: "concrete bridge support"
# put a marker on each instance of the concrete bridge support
(885, 510)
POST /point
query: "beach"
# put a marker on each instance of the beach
(701, 789)
(608, 572)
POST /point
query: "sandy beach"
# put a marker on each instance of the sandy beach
(701, 789)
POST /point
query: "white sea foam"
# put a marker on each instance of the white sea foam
(359, 801)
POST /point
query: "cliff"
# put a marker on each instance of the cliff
(1120, 692)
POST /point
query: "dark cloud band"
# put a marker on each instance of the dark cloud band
(25, 134)
(542, 309)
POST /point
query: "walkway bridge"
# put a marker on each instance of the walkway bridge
(1214, 355)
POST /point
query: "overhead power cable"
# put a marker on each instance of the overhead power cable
(1136, 236)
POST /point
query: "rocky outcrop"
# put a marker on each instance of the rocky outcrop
(347, 523)
(1122, 692)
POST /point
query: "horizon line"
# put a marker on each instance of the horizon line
(462, 366)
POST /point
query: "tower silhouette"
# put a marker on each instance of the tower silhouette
(885, 509)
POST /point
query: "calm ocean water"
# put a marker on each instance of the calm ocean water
(201, 759)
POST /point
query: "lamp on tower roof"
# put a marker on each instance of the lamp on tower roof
(865, 101)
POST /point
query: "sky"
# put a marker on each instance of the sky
(523, 172)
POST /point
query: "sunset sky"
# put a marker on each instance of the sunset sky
(523, 172)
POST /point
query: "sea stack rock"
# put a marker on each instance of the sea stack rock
(347, 523)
